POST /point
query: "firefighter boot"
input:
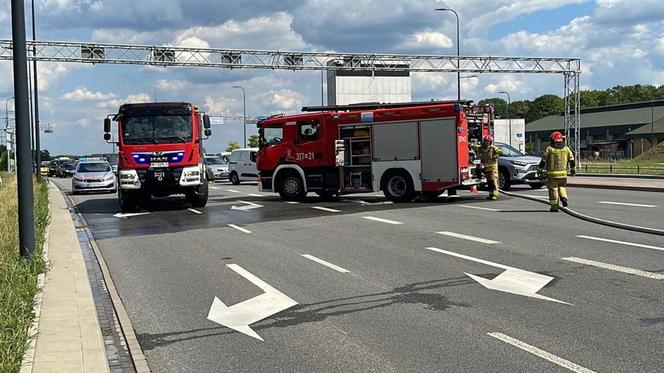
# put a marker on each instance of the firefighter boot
(554, 208)
(563, 200)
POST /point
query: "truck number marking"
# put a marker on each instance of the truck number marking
(304, 156)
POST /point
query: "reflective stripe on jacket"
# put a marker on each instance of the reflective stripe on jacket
(557, 160)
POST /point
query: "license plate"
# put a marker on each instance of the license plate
(159, 164)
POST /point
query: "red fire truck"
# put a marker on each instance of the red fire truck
(160, 152)
(402, 149)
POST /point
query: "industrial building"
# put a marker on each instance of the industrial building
(608, 132)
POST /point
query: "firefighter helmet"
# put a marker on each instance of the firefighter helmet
(488, 139)
(557, 137)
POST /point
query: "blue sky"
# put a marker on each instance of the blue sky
(620, 42)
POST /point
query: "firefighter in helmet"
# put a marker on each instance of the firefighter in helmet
(556, 158)
(489, 154)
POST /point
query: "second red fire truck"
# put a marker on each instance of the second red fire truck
(404, 150)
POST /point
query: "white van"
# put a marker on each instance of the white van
(242, 165)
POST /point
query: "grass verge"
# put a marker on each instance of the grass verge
(622, 167)
(18, 276)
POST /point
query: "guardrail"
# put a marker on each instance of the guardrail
(622, 169)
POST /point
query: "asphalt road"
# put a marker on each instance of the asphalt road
(407, 303)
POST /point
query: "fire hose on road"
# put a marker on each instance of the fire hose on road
(592, 219)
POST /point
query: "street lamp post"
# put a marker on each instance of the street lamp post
(35, 96)
(458, 49)
(509, 117)
(7, 132)
(244, 112)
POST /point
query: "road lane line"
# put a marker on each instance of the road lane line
(469, 238)
(233, 191)
(387, 221)
(626, 204)
(617, 268)
(480, 208)
(292, 202)
(325, 263)
(621, 242)
(195, 211)
(325, 209)
(541, 353)
(213, 187)
(239, 228)
(256, 195)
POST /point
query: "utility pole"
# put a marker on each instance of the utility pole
(26, 220)
(509, 101)
(244, 113)
(36, 97)
(458, 41)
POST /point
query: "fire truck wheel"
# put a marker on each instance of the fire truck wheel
(235, 180)
(128, 200)
(398, 187)
(199, 197)
(291, 187)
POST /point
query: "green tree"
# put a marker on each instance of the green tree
(232, 145)
(253, 141)
(518, 109)
(544, 106)
(3, 158)
(498, 104)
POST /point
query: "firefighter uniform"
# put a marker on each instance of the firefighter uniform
(489, 155)
(556, 159)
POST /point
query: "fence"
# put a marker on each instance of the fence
(617, 168)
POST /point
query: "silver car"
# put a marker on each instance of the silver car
(93, 176)
(216, 168)
(515, 167)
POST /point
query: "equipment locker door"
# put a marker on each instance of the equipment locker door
(438, 146)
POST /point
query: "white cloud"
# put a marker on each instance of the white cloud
(660, 46)
(115, 103)
(284, 100)
(84, 94)
(427, 39)
(428, 81)
(507, 83)
(50, 73)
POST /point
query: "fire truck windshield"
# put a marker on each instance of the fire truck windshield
(158, 129)
(270, 136)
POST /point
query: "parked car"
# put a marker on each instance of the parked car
(44, 167)
(242, 165)
(54, 166)
(67, 169)
(515, 167)
(93, 176)
(216, 168)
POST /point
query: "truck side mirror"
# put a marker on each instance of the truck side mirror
(208, 132)
(107, 125)
(206, 122)
(107, 136)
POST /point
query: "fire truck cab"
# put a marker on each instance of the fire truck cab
(401, 149)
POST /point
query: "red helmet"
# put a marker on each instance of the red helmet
(488, 138)
(557, 137)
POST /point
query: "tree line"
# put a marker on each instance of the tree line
(546, 105)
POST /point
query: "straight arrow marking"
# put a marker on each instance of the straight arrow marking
(239, 316)
(129, 215)
(513, 280)
(249, 206)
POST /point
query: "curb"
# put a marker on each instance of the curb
(618, 187)
(621, 176)
(135, 351)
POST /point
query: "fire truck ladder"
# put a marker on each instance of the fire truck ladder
(98, 53)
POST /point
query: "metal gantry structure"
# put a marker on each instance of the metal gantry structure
(106, 53)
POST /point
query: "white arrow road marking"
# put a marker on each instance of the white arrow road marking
(249, 206)
(617, 268)
(513, 280)
(233, 191)
(195, 211)
(541, 353)
(213, 187)
(292, 202)
(130, 214)
(469, 238)
(243, 230)
(626, 204)
(256, 195)
(325, 209)
(387, 221)
(239, 316)
(479, 208)
(365, 203)
(622, 242)
(326, 263)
